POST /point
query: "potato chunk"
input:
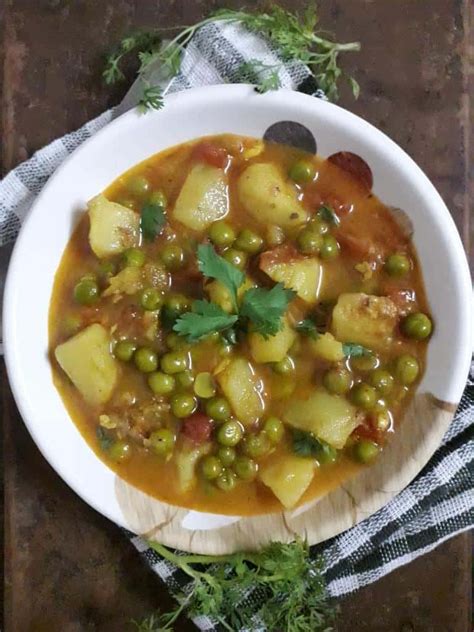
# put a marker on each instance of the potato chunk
(243, 389)
(288, 478)
(301, 274)
(327, 348)
(113, 227)
(267, 196)
(203, 198)
(364, 319)
(186, 461)
(87, 360)
(330, 417)
(274, 348)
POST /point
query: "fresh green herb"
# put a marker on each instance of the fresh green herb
(308, 328)
(289, 582)
(152, 220)
(204, 319)
(294, 37)
(215, 267)
(265, 77)
(305, 443)
(265, 308)
(328, 215)
(104, 438)
(354, 350)
(230, 336)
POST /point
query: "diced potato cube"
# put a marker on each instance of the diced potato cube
(203, 198)
(269, 197)
(127, 281)
(186, 460)
(274, 348)
(288, 478)
(364, 319)
(301, 274)
(113, 227)
(330, 417)
(243, 389)
(327, 348)
(88, 361)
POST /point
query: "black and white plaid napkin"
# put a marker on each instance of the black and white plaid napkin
(439, 503)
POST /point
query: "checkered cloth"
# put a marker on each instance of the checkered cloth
(439, 503)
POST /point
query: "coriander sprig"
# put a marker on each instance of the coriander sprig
(294, 37)
(260, 310)
(289, 584)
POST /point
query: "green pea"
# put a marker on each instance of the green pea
(86, 292)
(318, 225)
(162, 441)
(256, 445)
(146, 360)
(248, 241)
(124, 350)
(274, 429)
(120, 451)
(204, 385)
(284, 367)
(174, 362)
(326, 453)
(397, 265)
(230, 433)
(236, 257)
(134, 257)
(71, 324)
(184, 379)
(382, 381)
(364, 396)
(329, 248)
(173, 306)
(138, 185)
(365, 362)
(107, 269)
(218, 408)
(150, 299)
(309, 242)
(226, 454)
(160, 383)
(221, 234)
(227, 480)
(417, 326)
(337, 381)
(183, 405)
(245, 468)
(174, 341)
(173, 257)
(158, 198)
(406, 369)
(365, 451)
(211, 467)
(302, 171)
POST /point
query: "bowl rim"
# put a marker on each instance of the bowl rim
(234, 92)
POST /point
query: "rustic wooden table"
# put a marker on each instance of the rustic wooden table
(68, 569)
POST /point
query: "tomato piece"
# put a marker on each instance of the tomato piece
(212, 154)
(197, 428)
(367, 432)
(404, 299)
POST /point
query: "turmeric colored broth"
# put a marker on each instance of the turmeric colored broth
(367, 234)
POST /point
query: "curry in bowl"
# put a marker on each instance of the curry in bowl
(237, 326)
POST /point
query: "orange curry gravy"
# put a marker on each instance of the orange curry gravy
(367, 234)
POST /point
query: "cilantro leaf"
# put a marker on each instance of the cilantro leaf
(104, 438)
(216, 267)
(265, 308)
(152, 220)
(354, 350)
(308, 328)
(204, 319)
(305, 443)
(328, 215)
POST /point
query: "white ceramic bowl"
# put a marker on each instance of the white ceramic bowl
(132, 138)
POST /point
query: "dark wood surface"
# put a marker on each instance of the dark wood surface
(67, 569)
